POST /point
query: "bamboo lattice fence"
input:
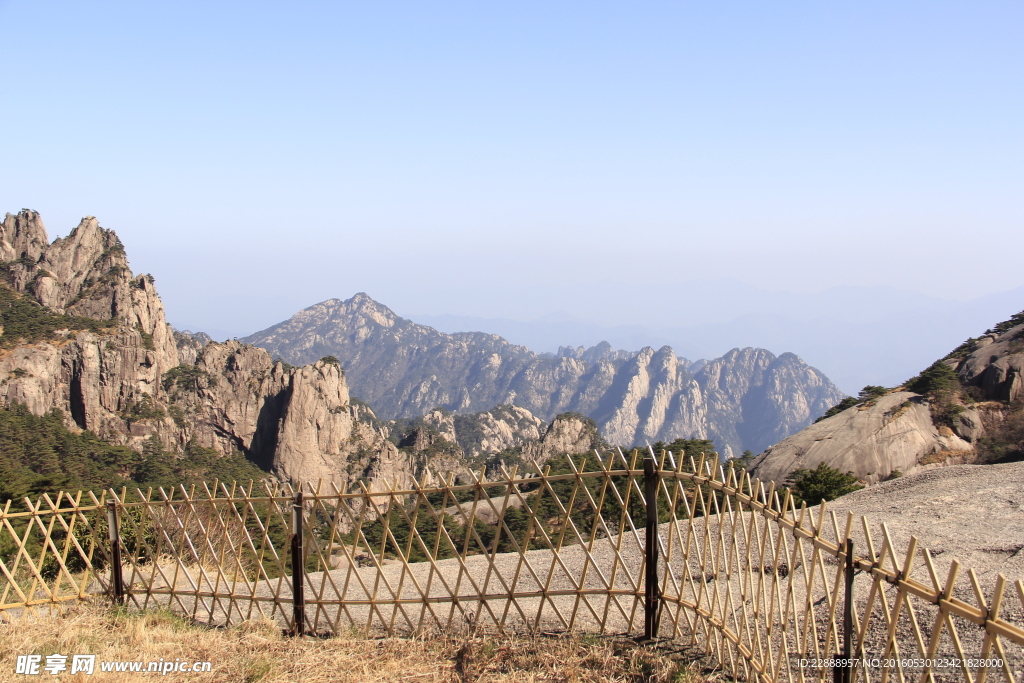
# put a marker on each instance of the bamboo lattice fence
(688, 551)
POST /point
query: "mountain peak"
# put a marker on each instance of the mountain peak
(362, 299)
(363, 304)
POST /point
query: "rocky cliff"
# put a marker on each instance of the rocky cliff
(747, 399)
(504, 436)
(966, 408)
(81, 334)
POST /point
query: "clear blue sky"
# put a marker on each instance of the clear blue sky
(484, 158)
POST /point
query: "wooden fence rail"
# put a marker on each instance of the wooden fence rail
(686, 550)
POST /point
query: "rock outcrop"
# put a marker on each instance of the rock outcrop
(747, 399)
(500, 429)
(128, 377)
(99, 380)
(955, 422)
(994, 363)
(894, 433)
(568, 434)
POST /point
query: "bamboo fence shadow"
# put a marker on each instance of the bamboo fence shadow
(686, 551)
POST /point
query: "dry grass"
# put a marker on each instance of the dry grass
(257, 651)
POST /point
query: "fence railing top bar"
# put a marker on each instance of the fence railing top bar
(44, 505)
(43, 511)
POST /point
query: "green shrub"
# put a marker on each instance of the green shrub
(938, 377)
(687, 448)
(847, 402)
(821, 483)
(147, 339)
(870, 392)
(186, 378)
(1015, 319)
(25, 321)
(143, 409)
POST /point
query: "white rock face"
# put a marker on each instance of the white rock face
(897, 431)
(872, 440)
(568, 434)
(496, 430)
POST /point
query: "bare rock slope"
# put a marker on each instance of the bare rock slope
(967, 409)
(971, 513)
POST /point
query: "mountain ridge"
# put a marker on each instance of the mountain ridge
(405, 369)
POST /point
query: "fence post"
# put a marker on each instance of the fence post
(114, 536)
(651, 594)
(844, 673)
(298, 569)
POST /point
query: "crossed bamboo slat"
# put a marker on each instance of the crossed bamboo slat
(746, 575)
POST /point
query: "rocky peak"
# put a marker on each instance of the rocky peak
(361, 304)
(22, 236)
(190, 345)
(132, 378)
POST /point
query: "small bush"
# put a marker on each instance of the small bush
(847, 402)
(821, 483)
(938, 377)
(186, 378)
(143, 409)
(1015, 319)
(871, 391)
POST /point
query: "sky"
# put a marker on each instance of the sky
(527, 159)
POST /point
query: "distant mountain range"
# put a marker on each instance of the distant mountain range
(745, 400)
(857, 335)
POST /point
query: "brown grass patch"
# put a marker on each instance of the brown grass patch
(942, 456)
(258, 651)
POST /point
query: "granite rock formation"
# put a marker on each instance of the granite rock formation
(747, 399)
(502, 437)
(972, 418)
(129, 378)
(110, 363)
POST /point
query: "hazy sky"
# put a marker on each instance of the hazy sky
(490, 158)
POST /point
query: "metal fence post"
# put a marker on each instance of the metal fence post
(114, 536)
(651, 594)
(298, 570)
(844, 673)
